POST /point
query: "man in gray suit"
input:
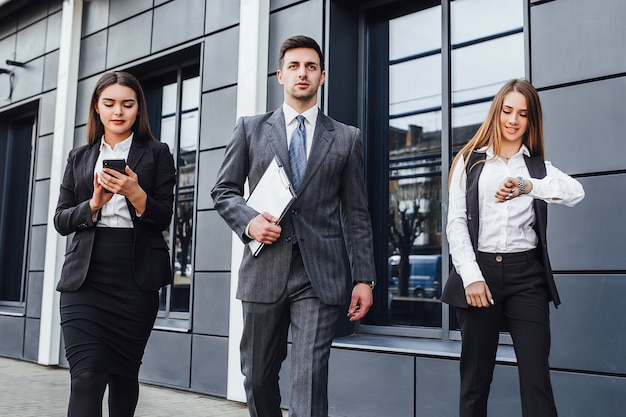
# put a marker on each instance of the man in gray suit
(321, 246)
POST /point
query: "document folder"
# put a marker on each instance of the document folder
(273, 194)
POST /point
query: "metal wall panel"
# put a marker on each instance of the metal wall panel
(50, 70)
(37, 249)
(31, 339)
(219, 115)
(95, 16)
(582, 135)
(29, 42)
(590, 236)
(123, 9)
(211, 231)
(209, 367)
(129, 40)
(370, 384)
(221, 59)
(580, 395)
(221, 14)
(33, 294)
(588, 328)
(177, 22)
(210, 162)
(93, 52)
(12, 342)
(40, 202)
(28, 81)
(44, 157)
(585, 40)
(167, 359)
(53, 32)
(211, 295)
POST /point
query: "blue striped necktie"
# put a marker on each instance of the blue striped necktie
(297, 152)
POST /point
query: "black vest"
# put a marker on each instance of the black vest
(454, 292)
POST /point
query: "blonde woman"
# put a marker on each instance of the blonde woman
(500, 186)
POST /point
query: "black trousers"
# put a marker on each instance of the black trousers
(521, 305)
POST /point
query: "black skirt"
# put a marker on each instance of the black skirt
(107, 321)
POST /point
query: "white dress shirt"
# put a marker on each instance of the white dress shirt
(310, 117)
(114, 213)
(503, 227)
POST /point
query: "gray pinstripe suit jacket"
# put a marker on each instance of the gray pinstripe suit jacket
(329, 219)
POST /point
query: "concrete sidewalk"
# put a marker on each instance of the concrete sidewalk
(31, 390)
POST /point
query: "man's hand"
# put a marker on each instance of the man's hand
(361, 301)
(263, 228)
(477, 294)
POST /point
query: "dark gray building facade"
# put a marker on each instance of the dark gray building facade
(417, 78)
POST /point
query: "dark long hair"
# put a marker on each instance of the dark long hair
(141, 127)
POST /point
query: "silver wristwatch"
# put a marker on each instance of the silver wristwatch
(522, 185)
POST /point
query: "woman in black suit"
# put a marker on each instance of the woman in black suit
(118, 259)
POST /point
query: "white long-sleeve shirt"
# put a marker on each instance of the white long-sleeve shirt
(503, 227)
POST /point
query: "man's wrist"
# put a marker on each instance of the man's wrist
(372, 284)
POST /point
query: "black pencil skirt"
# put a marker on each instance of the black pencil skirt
(107, 321)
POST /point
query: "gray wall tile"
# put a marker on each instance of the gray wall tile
(577, 48)
(211, 233)
(211, 295)
(95, 16)
(31, 339)
(129, 40)
(167, 359)
(209, 367)
(592, 121)
(221, 14)
(221, 59)
(47, 106)
(30, 42)
(219, 114)
(12, 346)
(177, 22)
(210, 162)
(123, 9)
(587, 237)
(33, 13)
(92, 54)
(33, 295)
(579, 395)
(53, 32)
(51, 69)
(346, 395)
(40, 202)
(28, 80)
(588, 332)
(37, 248)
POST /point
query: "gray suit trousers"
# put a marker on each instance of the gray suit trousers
(264, 348)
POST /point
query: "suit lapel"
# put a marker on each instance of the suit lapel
(91, 156)
(276, 135)
(137, 150)
(322, 140)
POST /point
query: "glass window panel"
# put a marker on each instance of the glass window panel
(415, 33)
(189, 131)
(465, 123)
(475, 19)
(191, 93)
(168, 132)
(480, 70)
(415, 85)
(169, 99)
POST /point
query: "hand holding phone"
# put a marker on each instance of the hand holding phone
(118, 165)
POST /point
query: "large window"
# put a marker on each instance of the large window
(406, 60)
(173, 98)
(16, 139)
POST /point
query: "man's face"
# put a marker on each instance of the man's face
(301, 75)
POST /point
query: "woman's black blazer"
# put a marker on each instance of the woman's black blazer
(152, 162)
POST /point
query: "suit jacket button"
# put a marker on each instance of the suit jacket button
(294, 211)
(288, 239)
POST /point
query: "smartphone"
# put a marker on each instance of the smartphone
(118, 165)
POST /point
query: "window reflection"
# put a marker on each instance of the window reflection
(486, 50)
(179, 128)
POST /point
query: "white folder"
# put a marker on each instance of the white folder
(273, 194)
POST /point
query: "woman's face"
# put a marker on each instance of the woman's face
(514, 117)
(118, 108)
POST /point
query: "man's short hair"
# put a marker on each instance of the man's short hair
(300, 41)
